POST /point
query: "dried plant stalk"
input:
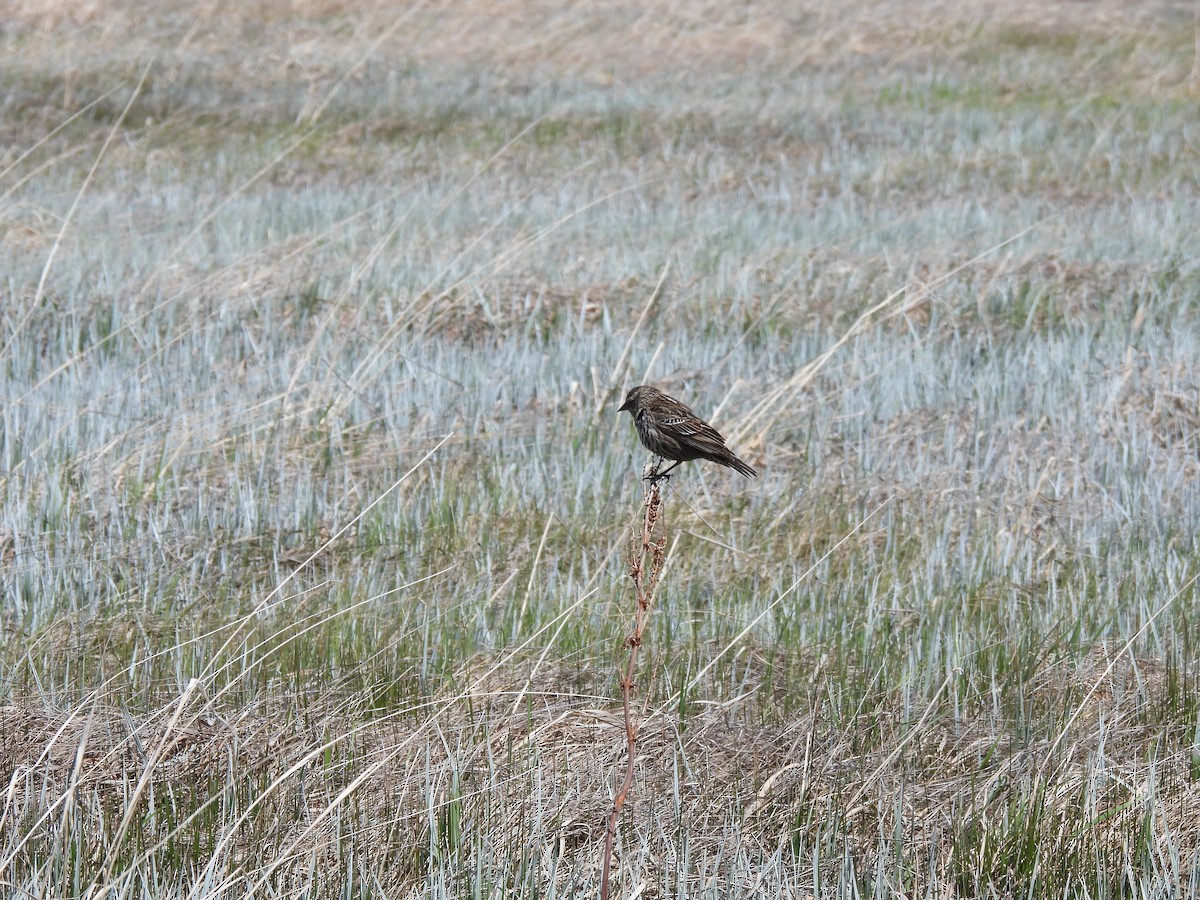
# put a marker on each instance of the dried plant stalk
(645, 566)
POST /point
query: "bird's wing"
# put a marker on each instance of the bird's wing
(693, 427)
(686, 424)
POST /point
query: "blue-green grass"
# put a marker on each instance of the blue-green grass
(316, 509)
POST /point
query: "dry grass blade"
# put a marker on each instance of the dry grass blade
(68, 219)
(618, 371)
(779, 399)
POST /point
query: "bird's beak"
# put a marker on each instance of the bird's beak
(624, 406)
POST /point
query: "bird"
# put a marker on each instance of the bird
(670, 429)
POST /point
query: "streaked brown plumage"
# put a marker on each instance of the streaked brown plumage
(671, 430)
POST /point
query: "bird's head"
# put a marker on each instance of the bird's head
(632, 399)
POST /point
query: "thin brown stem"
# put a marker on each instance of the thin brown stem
(650, 551)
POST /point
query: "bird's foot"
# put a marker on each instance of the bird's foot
(654, 476)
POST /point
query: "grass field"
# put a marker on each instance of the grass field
(316, 509)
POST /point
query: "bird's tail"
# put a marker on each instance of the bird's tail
(734, 463)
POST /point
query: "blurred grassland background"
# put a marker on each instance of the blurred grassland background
(315, 507)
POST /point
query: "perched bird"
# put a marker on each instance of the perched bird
(670, 430)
